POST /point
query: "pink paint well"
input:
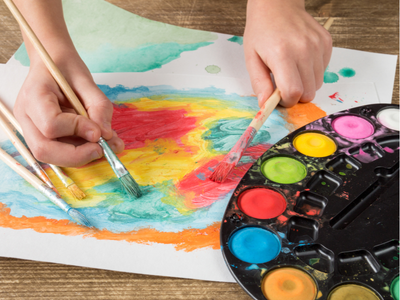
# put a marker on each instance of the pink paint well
(353, 127)
(261, 203)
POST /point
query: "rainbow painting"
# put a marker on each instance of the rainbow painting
(174, 139)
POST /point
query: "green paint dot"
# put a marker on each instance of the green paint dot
(213, 69)
(314, 261)
(395, 258)
(323, 183)
(395, 288)
(349, 166)
(236, 39)
(285, 170)
(347, 72)
(341, 173)
(330, 77)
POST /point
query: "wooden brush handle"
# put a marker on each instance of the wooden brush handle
(55, 72)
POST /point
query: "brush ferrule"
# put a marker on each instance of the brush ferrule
(42, 174)
(56, 199)
(117, 166)
(242, 144)
(60, 174)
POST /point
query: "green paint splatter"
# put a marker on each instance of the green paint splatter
(323, 183)
(395, 258)
(342, 173)
(347, 72)
(236, 39)
(314, 261)
(111, 39)
(330, 77)
(213, 69)
(349, 166)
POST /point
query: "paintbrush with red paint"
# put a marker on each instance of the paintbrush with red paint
(230, 161)
(232, 158)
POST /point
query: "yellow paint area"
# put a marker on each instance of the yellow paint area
(314, 144)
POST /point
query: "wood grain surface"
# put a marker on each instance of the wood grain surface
(367, 25)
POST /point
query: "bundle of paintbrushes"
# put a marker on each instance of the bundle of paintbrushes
(71, 186)
(45, 187)
(119, 169)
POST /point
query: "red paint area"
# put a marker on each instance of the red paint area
(135, 127)
(261, 203)
(336, 97)
(206, 191)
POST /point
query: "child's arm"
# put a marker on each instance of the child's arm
(282, 38)
(53, 131)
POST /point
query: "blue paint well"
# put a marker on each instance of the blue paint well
(254, 245)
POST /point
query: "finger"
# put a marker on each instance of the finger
(49, 118)
(306, 71)
(99, 108)
(56, 152)
(319, 70)
(260, 76)
(288, 81)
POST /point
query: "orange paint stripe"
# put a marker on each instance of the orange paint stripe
(187, 240)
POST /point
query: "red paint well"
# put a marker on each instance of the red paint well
(261, 203)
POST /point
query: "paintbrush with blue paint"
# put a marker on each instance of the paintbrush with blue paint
(43, 188)
(119, 169)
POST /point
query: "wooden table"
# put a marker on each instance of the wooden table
(366, 25)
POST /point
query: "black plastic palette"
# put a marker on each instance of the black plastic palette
(320, 226)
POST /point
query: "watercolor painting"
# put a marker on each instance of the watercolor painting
(174, 140)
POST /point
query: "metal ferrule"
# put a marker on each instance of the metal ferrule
(60, 174)
(56, 199)
(42, 174)
(117, 166)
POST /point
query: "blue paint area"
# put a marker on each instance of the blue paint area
(236, 39)
(201, 176)
(254, 245)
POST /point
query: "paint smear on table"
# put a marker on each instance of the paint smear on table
(174, 140)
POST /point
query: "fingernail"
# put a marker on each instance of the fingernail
(89, 135)
(95, 155)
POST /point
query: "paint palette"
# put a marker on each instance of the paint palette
(317, 215)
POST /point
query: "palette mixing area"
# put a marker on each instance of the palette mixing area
(317, 215)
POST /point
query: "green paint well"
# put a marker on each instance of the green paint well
(213, 69)
(330, 77)
(236, 39)
(110, 39)
(395, 288)
(347, 72)
(282, 169)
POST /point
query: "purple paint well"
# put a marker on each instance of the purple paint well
(353, 127)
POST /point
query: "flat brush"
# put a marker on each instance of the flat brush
(43, 188)
(230, 161)
(122, 173)
(67, 181)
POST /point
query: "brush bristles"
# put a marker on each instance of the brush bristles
(78, 217)
(76, 191)
(130, 185)
(222, 171)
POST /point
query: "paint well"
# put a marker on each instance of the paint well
(285, 170)
(262, 203)
(254, 245)
(395, 289)
(353, 127)
(314, 144)
(389, 118)
(289, 284)
(352, 291)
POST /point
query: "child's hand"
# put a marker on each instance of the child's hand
(282, 38)
(53, 131)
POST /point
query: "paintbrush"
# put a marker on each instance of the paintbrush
(43, 188)
(119, 169)
(67, 181)
(26, 154)
(230, 161)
